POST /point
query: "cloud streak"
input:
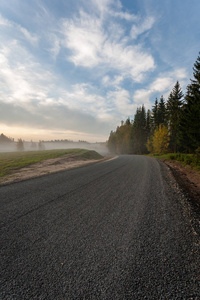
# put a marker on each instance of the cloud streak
(142, 27)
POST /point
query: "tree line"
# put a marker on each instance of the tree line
(19, 145)
(170, 126)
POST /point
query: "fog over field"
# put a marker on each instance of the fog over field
(101, 148)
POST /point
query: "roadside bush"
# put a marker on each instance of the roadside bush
(179, 156)
(188, 159)
(197, 155)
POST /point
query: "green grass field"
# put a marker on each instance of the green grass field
(12, 161)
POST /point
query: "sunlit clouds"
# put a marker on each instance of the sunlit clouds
(80, 67)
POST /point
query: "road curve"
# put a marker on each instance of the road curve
(114, 230)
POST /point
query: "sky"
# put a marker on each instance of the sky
(73, 69)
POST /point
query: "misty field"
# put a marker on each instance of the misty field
(12, 161)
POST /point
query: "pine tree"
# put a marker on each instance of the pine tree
(161, 112)
(128, 122)
(148, 123)
(189, 135)
(155, 114)
(150, 131)
(20, 145)
(174, 109)
(139, 135)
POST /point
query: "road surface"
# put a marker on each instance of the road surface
(118, 229)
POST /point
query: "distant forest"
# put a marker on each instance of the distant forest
(170, 126)
(9, 144)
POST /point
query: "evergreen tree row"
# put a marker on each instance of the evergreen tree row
(170, 126)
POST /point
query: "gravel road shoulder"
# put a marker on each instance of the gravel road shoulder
(187, 182)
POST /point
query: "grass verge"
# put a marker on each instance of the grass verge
(13, 161)
(192, 160)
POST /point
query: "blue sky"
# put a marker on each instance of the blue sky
(75, 69)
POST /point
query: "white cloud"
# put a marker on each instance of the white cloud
(26, 96)
(55, 45)
(125, 15)
(25, 86)
(22, 79)
(166, 81)
(84, 38)
(120, 101)
(4, 22)
(112, 8)
(92, 44)
(101, 5)
(142, 27)
(26, 89)
(18, 29)
(130, 60)
(142, 97)
(33, 39)
(26, 101)
(107, 81)
(180, 74)
(162, 85)
(82, 98)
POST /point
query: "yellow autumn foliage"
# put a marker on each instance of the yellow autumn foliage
(149, 144)
(161, 140)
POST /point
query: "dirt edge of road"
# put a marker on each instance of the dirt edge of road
(48, 166)
(188, 180)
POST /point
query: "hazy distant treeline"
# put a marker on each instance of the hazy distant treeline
(171, 125)
(8, 145)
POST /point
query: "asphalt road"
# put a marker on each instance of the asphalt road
(114, 230)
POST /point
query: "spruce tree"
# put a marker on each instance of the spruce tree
(128, 122)
(161, 112)
(155, 114)
(174, 109)
(139, 135)
(189, 135)
(149, 131)
(148, 123)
